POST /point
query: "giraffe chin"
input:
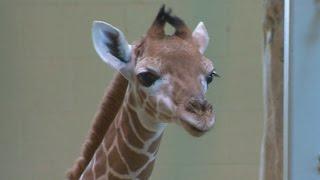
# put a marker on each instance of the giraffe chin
(192, 130)
(195, 130)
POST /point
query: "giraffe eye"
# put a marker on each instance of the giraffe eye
(210, 77)
(147, 78)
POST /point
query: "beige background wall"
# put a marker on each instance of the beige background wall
(52, 81)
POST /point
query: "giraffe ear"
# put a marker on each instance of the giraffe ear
(111, 45)
(201, 37)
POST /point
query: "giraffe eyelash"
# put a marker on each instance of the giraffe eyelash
(209, 78)
(215, 74)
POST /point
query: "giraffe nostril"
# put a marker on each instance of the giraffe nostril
(198, 106)
(205, 105)
(192, 107)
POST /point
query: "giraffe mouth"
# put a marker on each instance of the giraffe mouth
(194, 131)
(197, 126)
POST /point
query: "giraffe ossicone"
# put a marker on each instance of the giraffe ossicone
(164, 80)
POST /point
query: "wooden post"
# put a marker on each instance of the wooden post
(272, 144)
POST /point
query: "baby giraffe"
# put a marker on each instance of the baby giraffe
(162, 79)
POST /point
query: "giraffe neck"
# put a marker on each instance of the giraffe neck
(130, 145)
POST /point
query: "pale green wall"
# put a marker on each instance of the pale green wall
(52, 81)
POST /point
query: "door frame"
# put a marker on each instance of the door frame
(286, 91)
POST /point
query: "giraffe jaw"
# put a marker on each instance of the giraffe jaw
(192, 129)
(197, 126)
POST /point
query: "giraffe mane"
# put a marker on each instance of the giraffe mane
(109, 108)
(164, 15)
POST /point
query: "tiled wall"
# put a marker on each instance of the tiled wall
(52, 81)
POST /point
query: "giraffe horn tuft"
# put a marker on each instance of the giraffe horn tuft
(164, 15)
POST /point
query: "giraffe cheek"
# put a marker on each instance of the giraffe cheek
(132, 100)
(150, 111)
(166, 103)
(165, 117)
(163, 107)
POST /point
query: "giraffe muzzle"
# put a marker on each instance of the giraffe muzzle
(199, 106)
(197, 117)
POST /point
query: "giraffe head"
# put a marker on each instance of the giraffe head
(169, 74)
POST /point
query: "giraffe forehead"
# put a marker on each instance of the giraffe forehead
(172, 55)
(175, 65)
(169, 46)
(145, 63)
(170, 42)
(207, 65)
(173, 68)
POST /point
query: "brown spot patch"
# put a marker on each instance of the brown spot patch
(152, 102)
(116, 163)
(132, 100)
(144, 133)
(150, 112)
(100, 162)
(141, 96)
(104, 177)
(129, 134)
(110, 136)
(133, 159)
(146, 173)
(150, 106)
(113, 177)
(164, 116)
(155, 145)
(88, 172)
